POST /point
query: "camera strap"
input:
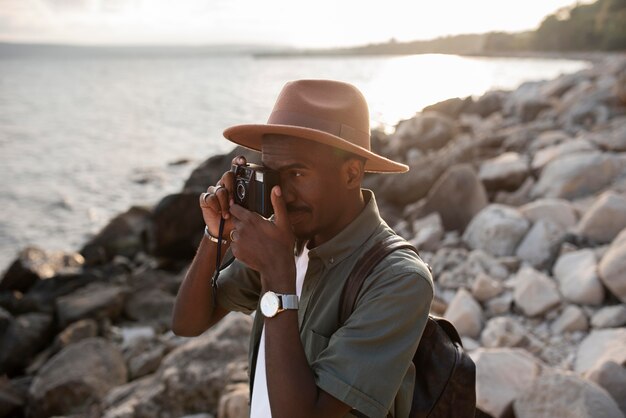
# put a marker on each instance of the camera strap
(218, 259)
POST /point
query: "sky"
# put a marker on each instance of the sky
(319, 23)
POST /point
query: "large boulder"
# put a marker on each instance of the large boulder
(457, 197)
(450, 107)
(571, 319)
(497, 229)
(124, 235)
(176, 226)
(426, 131)
(565, 395)
(76, 379)
(610, 317)
(578, 280)
(568, 177)
(612, 268)
(599, 347)
(24, 336)
(549, 154)
(34, 264)
(614, 138)
(502, 375)
(505, 172)
(541, 244)
(558, 211)
(612, 377)
(604, 219)
(96, 301)
(150, 306)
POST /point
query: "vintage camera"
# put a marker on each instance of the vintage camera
(253, 186)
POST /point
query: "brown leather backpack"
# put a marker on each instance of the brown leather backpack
(445, 375)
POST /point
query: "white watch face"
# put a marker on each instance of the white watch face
(269, 304)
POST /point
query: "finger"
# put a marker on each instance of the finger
(228, 181)
(221, 194)
(281, 218)
(239, 160)
(240, 213)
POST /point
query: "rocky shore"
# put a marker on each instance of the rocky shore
(517, 199)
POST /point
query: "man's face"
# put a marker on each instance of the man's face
(310, 182)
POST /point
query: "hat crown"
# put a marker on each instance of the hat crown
(331, 106)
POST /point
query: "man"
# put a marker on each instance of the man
(304, 363)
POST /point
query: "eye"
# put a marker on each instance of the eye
(296, 173)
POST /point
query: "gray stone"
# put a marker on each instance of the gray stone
(428, 232)
(612, 267)
(610, 317)
(601, 346)
(549, 154)
(604, 219)
(541, 244)
(501, 304)
(568, 177)
(558, 211)
(428, 130)
(23, 338)
(150, 306)
(548, 139)
(76, 379)
(565, 395)
(95, 301)
(571, 319)
(505, 172)
(535, 293)
(234, 403)
(612, 377)
(502, 375)
(465, 313)
(497, 229)
(577, 277)
(75, 332)
(613, 139)
(485, 287)
(503, 331)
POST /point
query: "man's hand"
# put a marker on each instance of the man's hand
(217, 201)
(266, 246)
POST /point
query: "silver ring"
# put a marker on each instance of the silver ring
(232, 236)
(204, 196)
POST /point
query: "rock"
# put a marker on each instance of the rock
(153, 306)
(604, 219)
(500, 305)
(75, 332)
(601, 346)
(428, 232)
(502, 375)
(34, 264)
(541, 244)
(485, 287)
(24, 337)
(563, 394)
(76, 379)
(451, 107)
(191, 378)
(612, 267)
(549, 154)
(612, 377)
(457, 197)
(143, 357)
(519, 197)
(568, 177)
(612, 139)
(11, 400)
(530, 109)
(487, 104)
(609, 317)
(234, 403)
(557, 211)
(535, 293)
(426, 131)
(503, 331)
(548, 139)
(124, 235)
(505, 172)
(572, 319)
(578, 281)
(95, 301)
(465, 313)
(497, 229)
(177, 227)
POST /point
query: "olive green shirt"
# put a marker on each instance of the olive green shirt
(366, 362)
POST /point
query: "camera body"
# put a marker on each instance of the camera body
(253, 187)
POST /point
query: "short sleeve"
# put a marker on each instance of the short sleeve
(367, 359)
(238, 288)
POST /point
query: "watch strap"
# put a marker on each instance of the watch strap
(289, 301)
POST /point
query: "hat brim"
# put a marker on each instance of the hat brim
(250, 136)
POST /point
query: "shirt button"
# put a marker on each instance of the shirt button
(332, 260)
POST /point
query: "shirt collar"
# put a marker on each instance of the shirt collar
(352, 236)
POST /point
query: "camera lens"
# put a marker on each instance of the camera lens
(241, 191)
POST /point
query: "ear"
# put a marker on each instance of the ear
(353, 171)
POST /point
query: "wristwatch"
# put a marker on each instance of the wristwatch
(274, 303)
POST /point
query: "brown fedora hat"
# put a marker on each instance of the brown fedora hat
(329, 112)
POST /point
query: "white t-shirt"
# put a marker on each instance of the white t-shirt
(260, 404)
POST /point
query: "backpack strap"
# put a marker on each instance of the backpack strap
(364, 267)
